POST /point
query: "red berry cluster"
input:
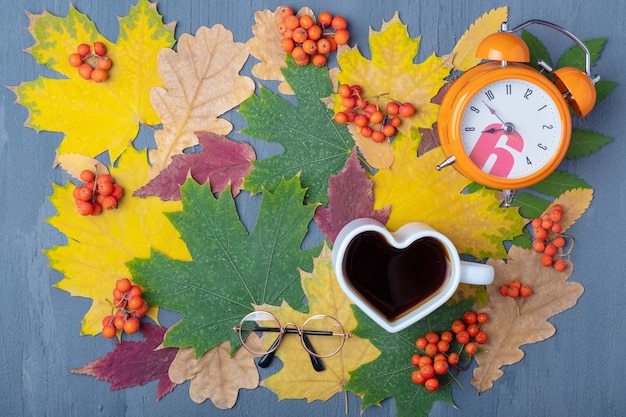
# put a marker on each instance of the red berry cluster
(548, 239)
(308, 40)
(128, 306)
(96, 193)
(91, 65)
(373, 122)
(441, 351)
(516, 290)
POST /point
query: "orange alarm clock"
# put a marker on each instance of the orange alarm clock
(504, 124)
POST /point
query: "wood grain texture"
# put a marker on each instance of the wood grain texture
(578, 372)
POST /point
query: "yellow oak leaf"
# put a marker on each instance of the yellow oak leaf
(216, 375)
(98, 247)
(575, 202)
(464, 52)
(511, 326)
(416, 191)
(297, 378)
(95, 117)
(202, 82)
(391, 74)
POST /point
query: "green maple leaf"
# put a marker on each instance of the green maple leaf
(231, 270)
(390, 374)
(95, 117)
(315, 147)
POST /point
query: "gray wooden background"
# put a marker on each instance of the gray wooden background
(578, 372)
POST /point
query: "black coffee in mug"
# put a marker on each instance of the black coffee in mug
(395, 280)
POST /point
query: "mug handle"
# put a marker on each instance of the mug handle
(475, 273)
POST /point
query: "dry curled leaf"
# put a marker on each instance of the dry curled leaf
(74, 164)
(510, 327)
(216, 375)
(575, 202)
(202, 82)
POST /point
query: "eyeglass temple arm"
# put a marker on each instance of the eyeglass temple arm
(266, 359)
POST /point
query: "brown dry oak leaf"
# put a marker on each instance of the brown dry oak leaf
(202, 82)
(216, 375)
(509, 327)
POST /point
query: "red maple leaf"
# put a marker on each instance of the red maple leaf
(349, 197)
(222, 161)
(135, 363)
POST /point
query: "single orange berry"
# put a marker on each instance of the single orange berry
(513, 292)
(406, 110)
(525, 291)
(319, 60)
(536, 223)
(378, 136)
(299, 35)
(482, 318)
(341, 118)
(109, 202)
(481, 337)
(417, 378)
(377, 117)
(431, 349)
(443, 346)
(361, 120)
(323, 46)
(458, 326)
(559, 241)
(118, 191)
(540, 233)
(109, 332)
(441, 367)
(87, 175)
(134, 290)
(99, 75)
(314, 32)
(504, 290)
(75, 60)
(325, 19)
(105, 189)
(97, 209)
(447, 336)
(132, 325)
(342, 36)
(344, 90)
(298, 54)
(556, 228)
(281, 28)
(285, 11)
(99, 48)
(425, 360)
(471, 348)
(104, 62)
(515, 283)
(310, 46)
(560, 265)
(83, 50)
(333, 44)
(431, 337)
(546, 260)
(119, 323)
(421, 343)
(104, 178)
(306, 21)
(392, 108)
(366, 131)
(431, 384)
(287, 44)
(135, 302)
(539, 246)
(85, 208)
(85, 70)
(339, 22)
(123, 284)
(389, 130)
(84, 193)
(292, 22)
(550, 249)
(454, 358)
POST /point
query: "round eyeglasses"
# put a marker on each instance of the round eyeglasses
(321, 335)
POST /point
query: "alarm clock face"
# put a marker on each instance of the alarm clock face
(511, 128)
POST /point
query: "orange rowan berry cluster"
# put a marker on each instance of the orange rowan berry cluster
(128, 306)
(548, 239)
(518, 291)
(92, 65)
(373, 122)
(439, 352)
(96, 193)
(308, 40)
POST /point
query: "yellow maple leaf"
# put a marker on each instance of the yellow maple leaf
(416, 191)
(216, 375)
(95, 117)
(511, 326)
(464, 53)
(202, 82)
(391, 74)
(98, 247)
(297, 378)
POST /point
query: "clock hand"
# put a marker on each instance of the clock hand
(508, 127)
(491, 130)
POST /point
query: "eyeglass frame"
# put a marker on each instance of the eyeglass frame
(291, 327)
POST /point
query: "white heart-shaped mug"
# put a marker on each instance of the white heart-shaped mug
(398, 278)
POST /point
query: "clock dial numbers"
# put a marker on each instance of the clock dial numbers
(510, 128)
